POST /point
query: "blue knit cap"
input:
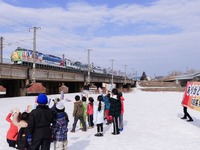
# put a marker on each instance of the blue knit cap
(42, 99)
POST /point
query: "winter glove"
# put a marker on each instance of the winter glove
(29, 139)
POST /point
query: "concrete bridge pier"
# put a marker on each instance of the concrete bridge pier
(15, 87)
(126, 87)
(74, 86)
(51, 87)
(119, 87)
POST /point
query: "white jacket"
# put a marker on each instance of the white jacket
(98, 116)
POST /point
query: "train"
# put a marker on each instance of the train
(22, 56)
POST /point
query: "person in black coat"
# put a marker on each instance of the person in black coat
(115, 110)
(39, 125)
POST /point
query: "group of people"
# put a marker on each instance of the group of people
(108, 107)
(17, 121)
(37, 129)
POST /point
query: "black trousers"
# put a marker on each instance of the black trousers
(115, 125)
(43, 144)
(100, 127)
(12, 143)
(76, 118)
(90, 121)
(186, 114)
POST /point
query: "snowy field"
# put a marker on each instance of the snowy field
(151, 122)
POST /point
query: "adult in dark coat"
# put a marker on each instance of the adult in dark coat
(114, 111)
(39, 125)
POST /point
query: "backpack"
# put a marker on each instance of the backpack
(60, 128)
(22, 143)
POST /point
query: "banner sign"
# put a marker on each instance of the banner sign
(191, 97)
(108, 87)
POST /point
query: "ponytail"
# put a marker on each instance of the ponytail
(99, 98)
(99, 107)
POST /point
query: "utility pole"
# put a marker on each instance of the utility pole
(34, 52)
(88, 80)
(1, 49)
(133, 76)
(136, 75)
(125, 75)
(112, 73)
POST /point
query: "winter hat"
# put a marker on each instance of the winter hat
(42, 99)
(60, 105)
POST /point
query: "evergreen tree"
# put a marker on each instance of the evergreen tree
(144, 76)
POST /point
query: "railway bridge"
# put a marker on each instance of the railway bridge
(183, 79)
(16, 79)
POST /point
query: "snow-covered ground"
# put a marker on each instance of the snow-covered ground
(151, 122)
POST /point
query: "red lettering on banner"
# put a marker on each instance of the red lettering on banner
(191, 97)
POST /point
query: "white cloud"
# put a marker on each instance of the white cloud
(167, 29)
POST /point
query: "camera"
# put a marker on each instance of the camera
(56, 100)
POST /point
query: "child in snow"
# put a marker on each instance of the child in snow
(107, 107)
(99, 115)
(115, 110)
(39, 126)
(84, 99)
(21, 121)
(90, 112)
(60, 127)
(78, 113)
(12, 131)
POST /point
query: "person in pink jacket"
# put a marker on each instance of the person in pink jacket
(12, 132)
(90, 113)
(121, 126)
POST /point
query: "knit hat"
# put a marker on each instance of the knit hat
(42, 99)
(60, 105)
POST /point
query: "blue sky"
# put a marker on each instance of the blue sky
(62, 3)
(155, 36)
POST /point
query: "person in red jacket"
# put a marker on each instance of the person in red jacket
(90, 113)
(12, 132)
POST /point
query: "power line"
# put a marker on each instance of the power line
(10, 43)
(47, 36)
(44, 37)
